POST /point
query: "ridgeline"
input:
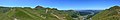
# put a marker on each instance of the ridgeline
(112, 13)
(42, 13)
(37, 13)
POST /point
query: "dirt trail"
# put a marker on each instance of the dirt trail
(57, 16)
(34, 12)
(28, 13)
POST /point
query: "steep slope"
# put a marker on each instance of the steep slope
(32, 14)
(24, 15)
(109, 14)
(8, 15)
(37, 13)
(29, 14)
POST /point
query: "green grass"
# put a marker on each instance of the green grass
(109, 14)
(33, 14)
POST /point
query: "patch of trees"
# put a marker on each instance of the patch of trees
(4, 9)
(28, 7)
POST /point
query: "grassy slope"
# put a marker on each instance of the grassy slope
(107, 15)
(7, 16)
(32, 14)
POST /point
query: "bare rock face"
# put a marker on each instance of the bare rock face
(38, 7)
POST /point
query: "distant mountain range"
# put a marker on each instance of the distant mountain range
(88, 12)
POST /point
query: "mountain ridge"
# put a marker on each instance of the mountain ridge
(108, 14)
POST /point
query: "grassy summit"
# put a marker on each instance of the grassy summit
(112, 13)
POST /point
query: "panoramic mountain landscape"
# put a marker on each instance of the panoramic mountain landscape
(59, 9)
(41, 13)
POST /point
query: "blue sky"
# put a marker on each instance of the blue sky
(63, 4)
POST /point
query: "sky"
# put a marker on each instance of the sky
(63, 4)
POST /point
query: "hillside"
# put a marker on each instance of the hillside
(37, 13)
(112, 13)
